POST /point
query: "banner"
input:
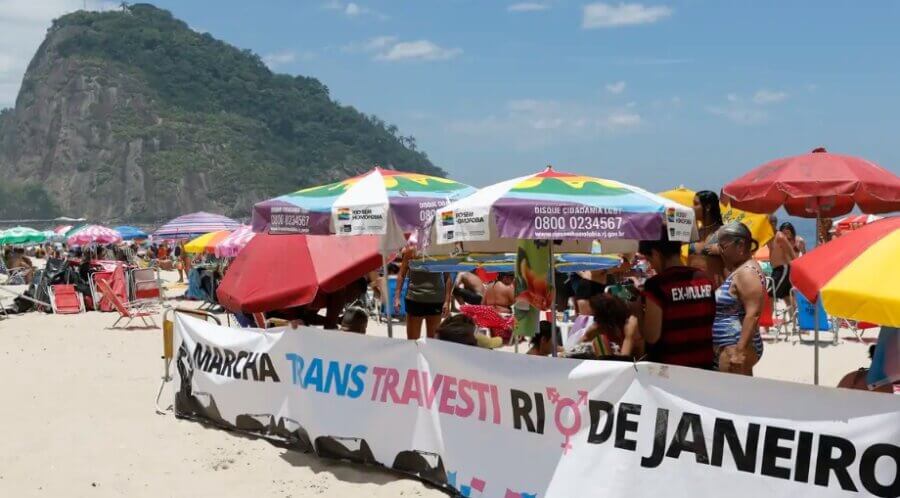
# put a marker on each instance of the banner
(488, 423)
(534, 288)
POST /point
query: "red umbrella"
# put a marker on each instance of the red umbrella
(818, 184)
(276, 272)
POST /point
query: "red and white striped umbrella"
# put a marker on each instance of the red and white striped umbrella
(94, 234)
(230, 246)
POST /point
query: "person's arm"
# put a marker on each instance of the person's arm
(785, 245)
(750, 292)
(651, 321)
(631, 343)
(401, 277)
(448, 295)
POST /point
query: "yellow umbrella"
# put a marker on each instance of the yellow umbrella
(206, 242)
(757, 223)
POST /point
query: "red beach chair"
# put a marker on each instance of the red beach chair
(487, 317)
(128, 310)
(64, 299)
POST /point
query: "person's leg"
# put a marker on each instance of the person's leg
(431, 324)
(724, 356)
(413, 326)
(751, 359)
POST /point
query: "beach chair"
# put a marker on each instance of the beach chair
(806, 318)
(145, 284)
(487, 317)
(128, 310)
(391, 289)
(65, 299)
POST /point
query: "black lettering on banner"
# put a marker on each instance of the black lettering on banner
(250, 366)
(242, 355)
(595, 409)
(216, 364)
(267, 369)
(772, 452)
(201, 357)
(521, 408)
(804, 453)
(539, 408)
(867, 465)
(229, 360)
(697, 445)
(744, 457)
(659, 440)
(623, 425)
(826, 462)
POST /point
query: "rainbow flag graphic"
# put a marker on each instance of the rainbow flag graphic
(447, 218)
(343, 214)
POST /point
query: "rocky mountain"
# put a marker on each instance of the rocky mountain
(131, 115)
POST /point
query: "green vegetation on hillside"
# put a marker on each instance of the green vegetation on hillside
(220, 110)
(28, 201)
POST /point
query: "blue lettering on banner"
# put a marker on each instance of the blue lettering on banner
(332, 377)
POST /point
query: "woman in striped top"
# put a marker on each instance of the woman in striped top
(739, 301)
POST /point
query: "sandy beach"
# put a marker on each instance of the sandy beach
(79, 420)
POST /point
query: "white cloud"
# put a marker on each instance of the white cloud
(731, 97)
(527, 7)
(534, 123)
(424, 50)
(616, 88)
(23, 25)
(279, 59)
(353, 9)
(603, 15)
(379, 43)
(740, 114)
(763, 97)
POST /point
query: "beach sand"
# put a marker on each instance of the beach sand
(78, 420)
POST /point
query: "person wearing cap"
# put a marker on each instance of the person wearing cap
(739, 302)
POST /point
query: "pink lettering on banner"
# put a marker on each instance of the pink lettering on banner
(463, 398)
(564, 404)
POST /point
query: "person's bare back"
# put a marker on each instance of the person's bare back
(501, 294)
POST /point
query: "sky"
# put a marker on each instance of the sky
(654, 94)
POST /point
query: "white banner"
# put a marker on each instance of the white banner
(463, 225)
(360, 220)
(488, 423)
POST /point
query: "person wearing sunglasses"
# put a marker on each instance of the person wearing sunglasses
(739, 302)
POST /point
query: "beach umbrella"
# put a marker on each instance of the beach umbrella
(93, 234)
(276, 272)
(380, 202)
(130, 233)
(856, 275)
(759, 224)
(853, 222)
(570, 209)
(816, 185)
(206, 242)
(230, 246)
(22, 235)
(194, 224)
(62, 229)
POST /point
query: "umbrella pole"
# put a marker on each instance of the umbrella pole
(554, 334)
(387, 299)
(816, 317)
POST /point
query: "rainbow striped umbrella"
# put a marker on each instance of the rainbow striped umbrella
(857, 274)
(563, 206)
(194, 224)
(94, 234)
(206, 242)
(379, 202)
(230, 246)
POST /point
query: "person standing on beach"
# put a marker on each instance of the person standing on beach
(781, 254)
(679, 308)
(737, 343)
(427, 297)
(704, 254)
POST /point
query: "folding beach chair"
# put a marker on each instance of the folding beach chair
(65, 299)
(806, 318)
(128, 310)
(145, 284)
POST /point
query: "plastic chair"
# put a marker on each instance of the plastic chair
(145, 284)
(806, 316)
(128, 310)
(391, 290)
(64, 299)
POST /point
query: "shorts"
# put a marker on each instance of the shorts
(415, 308)
(781, 276)
(467, 296)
